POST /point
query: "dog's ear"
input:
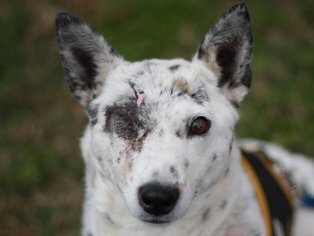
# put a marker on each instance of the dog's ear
(86, 57)
(227, 50)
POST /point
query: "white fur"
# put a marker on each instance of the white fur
(111, 205)
(140, 133)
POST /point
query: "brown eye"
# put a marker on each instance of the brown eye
(200, 126)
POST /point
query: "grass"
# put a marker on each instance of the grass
(41, 171)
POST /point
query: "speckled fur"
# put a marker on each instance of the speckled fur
(140, 114)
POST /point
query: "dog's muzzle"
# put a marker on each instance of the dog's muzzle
(157, 199)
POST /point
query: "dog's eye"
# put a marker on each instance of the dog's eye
(200, 126)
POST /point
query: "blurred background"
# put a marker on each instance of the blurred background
(41, 171)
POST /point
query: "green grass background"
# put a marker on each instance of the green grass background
(41, 171)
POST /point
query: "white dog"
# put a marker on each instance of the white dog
(160, 150)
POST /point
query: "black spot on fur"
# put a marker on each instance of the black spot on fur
(223, 205)
(129, 122)
(180, 133)
(171, 91)
(174, 68)
(138, 74)
(182, 92)
(102, 175)
(92, 112)
(99, 158)
(123, 120)
(200, 96)
(132, 85)
(205, 215)
(161, 132)
(227, 171)
(172, 169)
(186, 164)
(130, 164)
(214, 157)
(230, 145)
(108, 218)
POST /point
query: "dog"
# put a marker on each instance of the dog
(160, 151)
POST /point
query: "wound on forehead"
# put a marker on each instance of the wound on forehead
(139, 98)
(139, 95)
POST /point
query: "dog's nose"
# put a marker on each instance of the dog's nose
(157, 199)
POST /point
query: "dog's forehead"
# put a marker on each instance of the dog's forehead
(150, 79)
(139, 98)
(154, 75)
(159, 73)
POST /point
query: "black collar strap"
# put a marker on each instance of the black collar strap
(274, 194)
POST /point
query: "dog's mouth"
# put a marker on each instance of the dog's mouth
(151, 219)
(155, 221)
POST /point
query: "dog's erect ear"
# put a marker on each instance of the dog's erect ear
(227, 50)
(86, 57)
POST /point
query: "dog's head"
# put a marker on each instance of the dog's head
(160, 130)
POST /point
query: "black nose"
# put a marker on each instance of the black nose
(157, 199)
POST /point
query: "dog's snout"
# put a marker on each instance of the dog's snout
(157, 199)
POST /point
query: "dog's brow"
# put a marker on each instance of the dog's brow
(183, 88)
(200, 96)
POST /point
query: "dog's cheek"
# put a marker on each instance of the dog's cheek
(107, 155)
(213, 159)
(123, 159)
